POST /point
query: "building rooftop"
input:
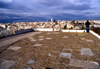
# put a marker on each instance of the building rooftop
(57, 50)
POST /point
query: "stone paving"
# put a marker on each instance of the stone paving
(13, 39)
(57, 50)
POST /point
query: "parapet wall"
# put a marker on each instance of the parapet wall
(41, 29)
(95, 34)
(47, 29)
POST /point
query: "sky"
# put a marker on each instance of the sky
(43, 10)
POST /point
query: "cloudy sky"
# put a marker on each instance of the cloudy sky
(41, 10)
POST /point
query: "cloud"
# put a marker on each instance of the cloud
(6, 17)
(5, 4)
(82, 1)
(67, 5)
(76, 7)
(6, 0)
(31, 10)
(12, 6)
(68, 16)
(49, 3)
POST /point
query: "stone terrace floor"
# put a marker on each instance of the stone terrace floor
(57, 50)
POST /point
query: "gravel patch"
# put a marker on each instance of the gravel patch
(7, 64)
(83, 64)
(30, 61)
(56, 53)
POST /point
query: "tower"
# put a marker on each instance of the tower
(51, 20)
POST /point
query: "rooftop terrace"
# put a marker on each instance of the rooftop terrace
(57, 50)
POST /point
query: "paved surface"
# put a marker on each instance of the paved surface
(12, 39)
(62, 51)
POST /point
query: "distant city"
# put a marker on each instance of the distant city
(57, 25)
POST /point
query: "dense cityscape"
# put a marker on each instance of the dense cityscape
(50, 49)
(11, 28)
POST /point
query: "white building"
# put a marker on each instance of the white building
(51, 20)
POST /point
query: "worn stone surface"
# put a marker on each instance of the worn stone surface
(48, 33)
(82, 38)
(30, 61)
(38, 45)
(55, 32)
(7, 64)
(41, 36)
(65, 55)
(32, 39)
(48, 38)
(80, 34)
(83, 64)
(86, 51)
(30, 68)
(12, 39)
(41, 39)
(65, 36)
(67, 50)
(48, 55)
(14, 48)
(89, 40)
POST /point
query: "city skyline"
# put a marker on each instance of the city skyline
(37, 10)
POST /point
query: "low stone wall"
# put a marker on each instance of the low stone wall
(47, 29)
(73, 30)
(6, 33)
(42, 29)
(95, 34)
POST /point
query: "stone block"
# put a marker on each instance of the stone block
(65, 55)
(41, 36)
(86, 51)
(65, 36)
(30, 61)
(48, 38)
(38, 45)
(48, 33)
(89, 40)
(41, 39)
(83, 64)
(14, 48)
(7, 64)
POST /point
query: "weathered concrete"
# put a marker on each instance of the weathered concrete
(86, 51)
(83, 64)
(7, 64)
(30, 61)
(14, 48)
(38, 45)
(65, 55)
(48, 38)
(12, 39)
